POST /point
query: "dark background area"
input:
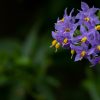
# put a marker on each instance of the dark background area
(29, 69)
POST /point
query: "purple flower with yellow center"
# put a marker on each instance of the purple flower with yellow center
(82, 51)
(85, 36)
(64, 31)
(60, 39)
(87, 16)
(66, 28)
(66, 25)
(83, 42)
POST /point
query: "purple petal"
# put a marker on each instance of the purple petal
(54, 34)
(84, 6)
(82, 29)
(97, 36)
(77, 48)
(60, 38)
(59, 27)
(85, 46)
(78, 15)
(95, 20)
(71, 12)
(91, 51)
(92, 10)
(65, 12)
(78, 57)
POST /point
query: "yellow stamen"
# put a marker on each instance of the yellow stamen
(83, 53)
(57, 46)
(53, 43)
(98, 47)
(87, 19)
(84, 39)
(65, 41)
(67, 30)
(72, 53)
(62, 20)
(97, 27)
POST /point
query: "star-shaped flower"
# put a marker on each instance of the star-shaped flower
(87, 16)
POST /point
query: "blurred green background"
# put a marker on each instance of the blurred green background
(29, 69)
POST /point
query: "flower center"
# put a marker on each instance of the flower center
(84, 39)
(65, 41)
(98, 47)
(87, 19)
(67, 30)
(83, 53)
(97, 27)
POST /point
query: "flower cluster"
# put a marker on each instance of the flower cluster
(79, 33)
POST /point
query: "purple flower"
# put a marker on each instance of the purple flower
(86, 36)
(64, 29)
(85, 8)
(66, 25)
(87, 16)
(85, 43)
(82, 51)
(59, 36)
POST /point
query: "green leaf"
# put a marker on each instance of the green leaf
(77, 33)
(98, 14)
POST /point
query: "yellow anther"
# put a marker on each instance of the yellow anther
(53, 43)
(67, 30)
(57, 45)
(72, 53)
(83, 53)
(98, 47)
(87, 19)
(62, 20)
(65, 41)
(97, 27)
(84, 39)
